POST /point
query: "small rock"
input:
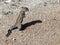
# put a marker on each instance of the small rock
(14, 39)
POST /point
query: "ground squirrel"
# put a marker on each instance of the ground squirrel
(19, 20)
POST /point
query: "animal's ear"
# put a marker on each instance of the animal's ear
(25, 8)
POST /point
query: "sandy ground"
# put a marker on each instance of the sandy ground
(41, 26)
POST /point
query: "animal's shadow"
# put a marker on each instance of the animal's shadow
(24, 26)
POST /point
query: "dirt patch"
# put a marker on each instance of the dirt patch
(41, 26)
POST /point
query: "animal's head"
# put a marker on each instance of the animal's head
(25, 9)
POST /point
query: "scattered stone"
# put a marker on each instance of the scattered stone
(14, 39)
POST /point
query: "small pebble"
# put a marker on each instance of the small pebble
(14, 39)
(44, 20)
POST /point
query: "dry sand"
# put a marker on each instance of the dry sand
(42, 25)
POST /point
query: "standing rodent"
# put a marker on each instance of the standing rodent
(19, 20)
